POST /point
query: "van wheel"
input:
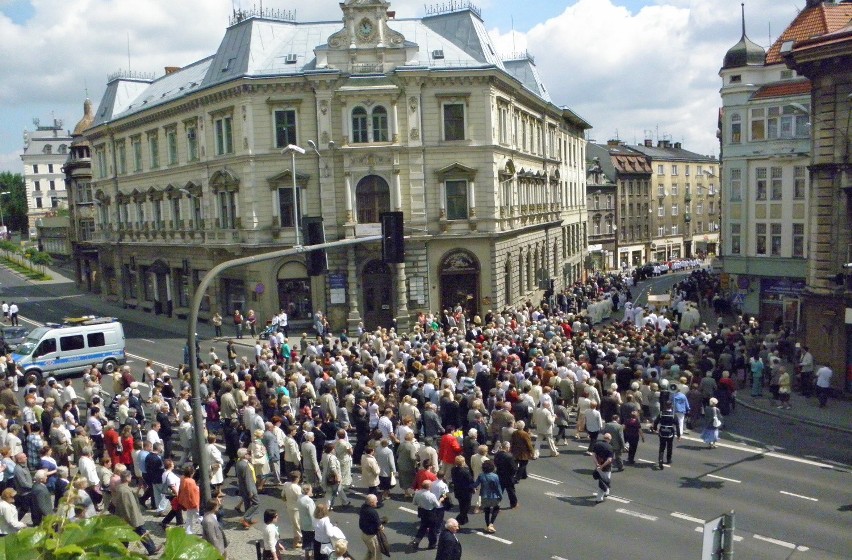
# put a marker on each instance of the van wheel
(109, 366)
(37, 373)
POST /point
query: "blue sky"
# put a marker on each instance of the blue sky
(626, 66)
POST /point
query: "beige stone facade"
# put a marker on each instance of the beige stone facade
(188, 171)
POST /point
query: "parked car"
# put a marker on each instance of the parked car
(11, 337)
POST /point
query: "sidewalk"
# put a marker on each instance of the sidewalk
(837, 414)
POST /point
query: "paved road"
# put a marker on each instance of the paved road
(788, 483)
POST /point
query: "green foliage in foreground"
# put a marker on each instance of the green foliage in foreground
(97, 538)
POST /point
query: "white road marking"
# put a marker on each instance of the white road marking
(147, 340)
(409, 510)
(645, 461)
(544, 479)
(492, 537)
(737, 538)
(785, 544)
(799, 496)
(555, 495)
(688, 518)
(723, 478)
(617, 499)
(636, 514)
(557, 558)
(767, 454)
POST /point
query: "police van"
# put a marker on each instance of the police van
(70, 347)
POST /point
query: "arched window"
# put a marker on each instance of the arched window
(359, 126)
(380, 124)
(372, 197)
(47, 149)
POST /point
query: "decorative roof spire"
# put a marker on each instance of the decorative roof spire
(742, 7)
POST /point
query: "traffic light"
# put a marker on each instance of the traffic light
(393, 238)
(314, 234)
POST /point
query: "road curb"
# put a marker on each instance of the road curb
(807, 421)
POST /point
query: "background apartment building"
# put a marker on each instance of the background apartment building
(45, 152)
(417, 115)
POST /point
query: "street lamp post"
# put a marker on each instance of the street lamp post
(293, 149)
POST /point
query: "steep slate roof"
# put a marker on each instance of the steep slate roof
(817, 20)
(783, 89)
(258, 47)
(672, 154)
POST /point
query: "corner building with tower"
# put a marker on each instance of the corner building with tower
(417, 115)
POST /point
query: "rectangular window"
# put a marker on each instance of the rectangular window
(661, 231)
(224, 136)
(798, 240)
(758, 124)
(776, 188)
(661, 190)
(760, 238)
(674, 209)
(121, 148)
(674, 170)
(285, 128)
(736, 129)
(102, 163)
(71, 342)
(154, 149)
(456, 200)
(50, 168)
(699, 227)
(799, 182)
(86, 229)
(454, 121)
(674, 229)
(52, 184)
(158, 213)
(123, 217)
(735, 239)
(96, 339)
(172, 144)
(661, 169)
(191, 142)
(699, 208)
(285, 206)
(38, 203)
(380, 125)
(196, 212)
(661, 210)
(736, 185)
(37, 185)
(176, 212)
(227, 210)
(760, 184)
(674, 190)
(182, 284)
(136, 146)
(140, 213)
(686, 170)
(35, 169)
(129, 282)
(775, 245)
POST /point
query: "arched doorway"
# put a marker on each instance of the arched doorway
(377, 290)
(372, 197)
(294, 291)
(459, 273)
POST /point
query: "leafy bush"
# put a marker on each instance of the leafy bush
(98, 538)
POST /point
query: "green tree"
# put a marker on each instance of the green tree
(14, 205)
(41, 259)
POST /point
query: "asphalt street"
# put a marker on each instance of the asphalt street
(788, 483)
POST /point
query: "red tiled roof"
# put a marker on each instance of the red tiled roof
(819, 20)
(783, 89)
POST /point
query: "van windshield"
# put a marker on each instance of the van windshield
(27, 346)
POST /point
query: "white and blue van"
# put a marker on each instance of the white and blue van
(70, 347)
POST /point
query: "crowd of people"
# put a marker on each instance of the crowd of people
(448, 416)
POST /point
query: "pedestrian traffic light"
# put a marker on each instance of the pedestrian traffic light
(393, 238)
(314, 234)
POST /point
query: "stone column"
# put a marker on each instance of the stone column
(349, 215)
(397, 190)
(352, 289)
(403, 319)
(442, 200)
(471, 198)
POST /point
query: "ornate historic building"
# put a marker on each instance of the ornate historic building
(766, 132)
(416, 115)
(45, 151)
(827, 311)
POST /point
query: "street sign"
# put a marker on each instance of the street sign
(719, 538)
(739, 299)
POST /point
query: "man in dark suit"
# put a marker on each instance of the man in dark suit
(247, 487)
(41, 502)
(23, 483)
(507, 470)
(449, 547)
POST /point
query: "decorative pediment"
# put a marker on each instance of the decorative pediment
(224, 180)
(154, 194)
(102, 197)
(193, 188)
(456, 169)
(285, 179)
(138, 196)
(365, 25)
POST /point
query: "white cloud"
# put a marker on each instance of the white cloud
(619, 69)
(11, 161)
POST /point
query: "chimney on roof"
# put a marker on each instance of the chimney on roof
(391, 14)
(649, 142)
(613, 143)
(677, 145)
(171, 69)
(663, 144)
